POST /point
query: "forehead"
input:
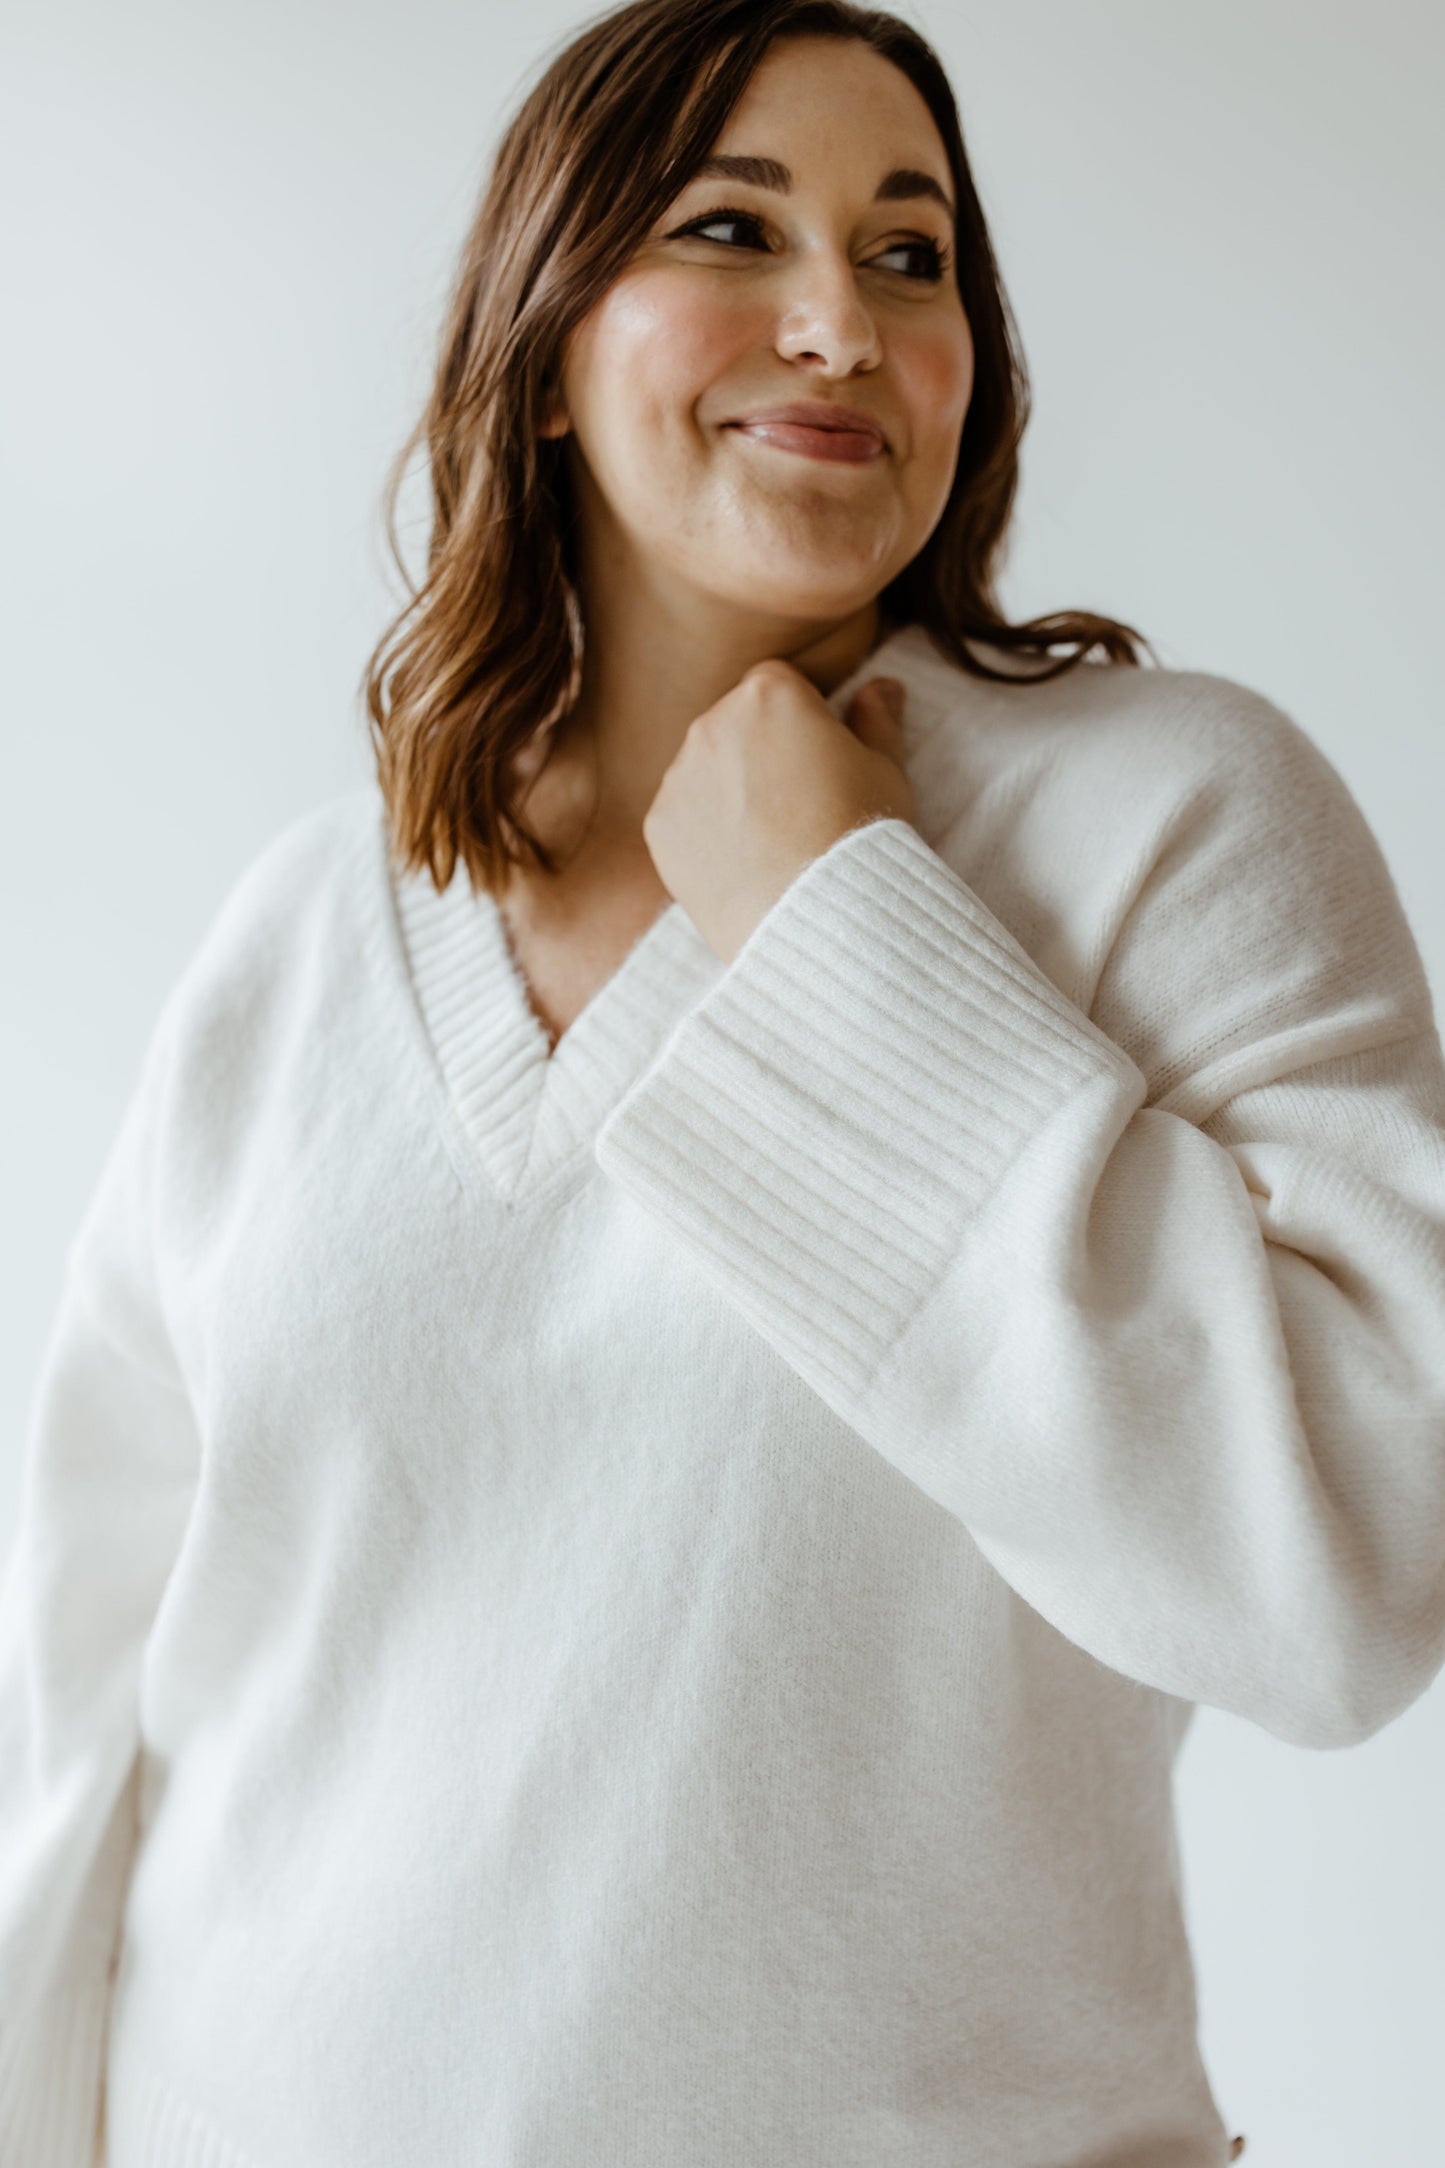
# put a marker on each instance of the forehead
(801, 80)
(815, 107)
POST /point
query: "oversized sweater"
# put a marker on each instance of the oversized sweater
(635, 1606)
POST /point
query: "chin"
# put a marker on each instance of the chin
(795, 602)
(785, 583)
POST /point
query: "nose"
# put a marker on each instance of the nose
(825, 318)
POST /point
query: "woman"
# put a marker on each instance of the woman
(715, 1310)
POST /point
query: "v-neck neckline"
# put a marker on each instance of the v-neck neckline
(552, 1049)
(529, 1108)
(531, 1111)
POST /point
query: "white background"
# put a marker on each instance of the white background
(227, 235)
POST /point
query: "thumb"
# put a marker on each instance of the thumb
(875, 714)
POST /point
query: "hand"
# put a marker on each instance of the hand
(766, 780)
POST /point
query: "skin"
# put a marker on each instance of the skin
(727, 587)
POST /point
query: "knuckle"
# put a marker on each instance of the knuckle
(772, 670)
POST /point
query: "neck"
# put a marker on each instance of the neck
(651, 664)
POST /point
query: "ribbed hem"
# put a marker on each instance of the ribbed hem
(823, 1126)
(149, 2125)
(51, 2072)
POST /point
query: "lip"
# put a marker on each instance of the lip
(823, 430)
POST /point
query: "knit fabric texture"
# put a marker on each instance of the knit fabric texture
(635, 1606)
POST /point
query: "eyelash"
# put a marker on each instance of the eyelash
(939, 255)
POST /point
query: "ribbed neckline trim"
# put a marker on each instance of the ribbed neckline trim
(527, 1111)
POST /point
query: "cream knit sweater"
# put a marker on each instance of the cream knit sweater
(636, 1609)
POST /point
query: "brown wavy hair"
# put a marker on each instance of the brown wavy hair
(486, 654)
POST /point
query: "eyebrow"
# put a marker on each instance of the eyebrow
(903, 184)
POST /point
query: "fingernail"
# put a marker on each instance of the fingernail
(893, 692)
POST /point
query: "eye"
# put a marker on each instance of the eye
(718, 218)
(936, 256)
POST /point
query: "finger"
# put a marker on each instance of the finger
(875, 713)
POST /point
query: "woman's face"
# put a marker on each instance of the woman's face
(818, 293)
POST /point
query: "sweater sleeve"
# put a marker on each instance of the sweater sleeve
(109, 1465)
(1151, 1298)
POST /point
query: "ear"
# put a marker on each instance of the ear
(555, 420)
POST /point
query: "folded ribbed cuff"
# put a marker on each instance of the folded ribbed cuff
(825, 1123)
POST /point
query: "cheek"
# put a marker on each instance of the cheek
(653, 348)
(935, 369)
